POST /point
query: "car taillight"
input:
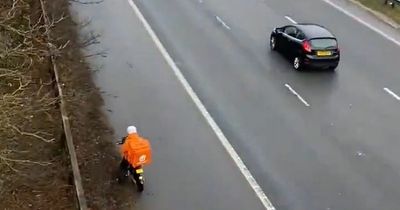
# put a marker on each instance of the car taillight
(306, 46)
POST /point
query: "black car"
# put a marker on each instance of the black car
(307, 45)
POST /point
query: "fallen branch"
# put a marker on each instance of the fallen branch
(21, 86)
(36, 134)
(7, 160)
(3, 159)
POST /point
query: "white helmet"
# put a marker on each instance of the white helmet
(131, 129)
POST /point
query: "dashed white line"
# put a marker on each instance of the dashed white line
(220, 135)
(362, 22)
(290, 19)
(222, 22)
(392, 93)
(298, 95)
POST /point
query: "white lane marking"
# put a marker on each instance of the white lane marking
(360, 154)
(290, 19)
(392, 93)
(296, 94)
(221, 137)
(363, 22)
(222, 22)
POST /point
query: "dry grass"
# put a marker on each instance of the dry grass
(378, 5)
(34, 164)
(34, 168)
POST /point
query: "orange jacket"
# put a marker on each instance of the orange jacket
(134, 148)
(131, 138)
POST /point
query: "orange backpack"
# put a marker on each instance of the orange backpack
(137, 151)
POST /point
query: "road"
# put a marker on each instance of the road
(340, 152)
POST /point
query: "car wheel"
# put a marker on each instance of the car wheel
(272, 43)
(297, 64)
(332, 68)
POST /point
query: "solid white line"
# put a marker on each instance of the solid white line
(363, 22)
(222, 22)
(291, 20)
(231, 151)
(296, 94)
(392, 93)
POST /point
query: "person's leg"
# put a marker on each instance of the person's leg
(123, 170)
(124, 166)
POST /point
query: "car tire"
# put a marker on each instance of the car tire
(272, 43)
(297, 64)
(332, 68)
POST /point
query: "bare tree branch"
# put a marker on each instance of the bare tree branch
(36, 134)
(90, 40)
(102, 54)
(6, 160)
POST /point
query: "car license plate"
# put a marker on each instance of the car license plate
(324, 53)
(139, 171)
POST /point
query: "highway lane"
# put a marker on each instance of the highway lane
(191, 169)
(358, 41)
(339, 153)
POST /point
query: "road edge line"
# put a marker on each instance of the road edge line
(229, 148)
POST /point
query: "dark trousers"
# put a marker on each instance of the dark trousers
(124, 167)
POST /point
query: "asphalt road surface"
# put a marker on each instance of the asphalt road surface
(334, 145)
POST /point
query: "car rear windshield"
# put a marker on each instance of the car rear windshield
(323, 43)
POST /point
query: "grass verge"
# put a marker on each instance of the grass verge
(379, 6)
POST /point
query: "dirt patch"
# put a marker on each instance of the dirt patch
(34, 164)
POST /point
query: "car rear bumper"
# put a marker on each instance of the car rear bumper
(321, 63)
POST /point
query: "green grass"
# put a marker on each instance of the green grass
(378, 5)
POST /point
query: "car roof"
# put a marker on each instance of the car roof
(312, 30)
